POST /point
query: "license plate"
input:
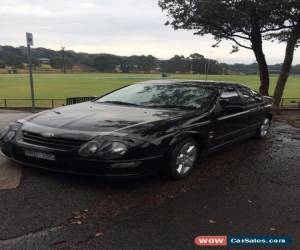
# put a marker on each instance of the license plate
(39, 155)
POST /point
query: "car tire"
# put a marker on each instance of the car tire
(263, 130)
(182, 159)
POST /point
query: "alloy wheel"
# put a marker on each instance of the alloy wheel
(186, 158)
(264, 128)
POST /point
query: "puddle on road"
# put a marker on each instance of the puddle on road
(278, 161)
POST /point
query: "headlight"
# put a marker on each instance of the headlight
(3, 132)
(89, 149)
(9, 132)
(15, 126)
(10, 135)
(112, 150)
(107, 150)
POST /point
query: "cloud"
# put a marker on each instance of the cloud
(122, 27)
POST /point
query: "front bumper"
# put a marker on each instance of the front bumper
(70, 162)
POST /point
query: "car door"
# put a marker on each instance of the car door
(254, 106)
(229, 117)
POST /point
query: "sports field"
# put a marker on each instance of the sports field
(58, 86)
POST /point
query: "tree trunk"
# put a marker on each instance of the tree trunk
(256, 41)
(286, 67)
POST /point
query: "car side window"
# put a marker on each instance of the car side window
(247, 96)
(257, 96)
(232, 97)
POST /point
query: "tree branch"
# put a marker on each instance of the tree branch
(239, 36)
(238, 43)
(276, 29)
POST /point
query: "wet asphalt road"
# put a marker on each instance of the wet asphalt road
(251, 188)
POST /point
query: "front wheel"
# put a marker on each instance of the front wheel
(182, 159)
(264, 128)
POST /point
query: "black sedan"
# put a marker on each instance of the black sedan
(141, 129)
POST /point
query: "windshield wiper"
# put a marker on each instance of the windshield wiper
(120, 103)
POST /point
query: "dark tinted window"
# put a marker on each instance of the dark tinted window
(257, 96)
(232, 97)
(179, 95)
(247, 96)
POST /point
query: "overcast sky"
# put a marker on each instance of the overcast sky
(122, 27)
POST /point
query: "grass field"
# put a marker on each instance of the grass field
(59, 86)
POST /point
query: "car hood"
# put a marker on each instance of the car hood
(96, 117)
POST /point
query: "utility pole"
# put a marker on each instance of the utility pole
(207, 66)
(29, 39)
(206, 69)
(63, 57)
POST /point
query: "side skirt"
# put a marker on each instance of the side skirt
(230, 142)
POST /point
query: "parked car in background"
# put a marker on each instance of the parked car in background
(145, 128)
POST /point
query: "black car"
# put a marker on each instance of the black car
(141, 129)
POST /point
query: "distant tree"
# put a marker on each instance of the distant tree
(36, 63)
(146, 63)
(2, 64)
(127, 65)
(139, 63)
(296, 69)
(164, 75)
(15, 61)
(215, 68)
(106, 62)
(245, 23)
(179, 64)
(13, 57)
(198, 63)
(195, 63)
(57, 62)
(163, 65)
(223, 68)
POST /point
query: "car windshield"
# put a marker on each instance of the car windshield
(180, 95)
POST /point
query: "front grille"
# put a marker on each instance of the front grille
(51, 142)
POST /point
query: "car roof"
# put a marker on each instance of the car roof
(218, 84)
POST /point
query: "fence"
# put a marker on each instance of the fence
(286, 103)
(26, 103)
(74, 100)
(292, 103)
(43, 103)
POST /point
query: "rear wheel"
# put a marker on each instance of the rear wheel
(264, 128)
(182, 159)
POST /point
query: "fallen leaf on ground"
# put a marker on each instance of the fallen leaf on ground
(79, 217)
(98, 234)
